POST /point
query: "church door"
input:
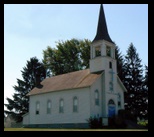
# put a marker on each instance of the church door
(111, 108)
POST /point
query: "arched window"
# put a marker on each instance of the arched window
(61, 106)
(37, 108)
(75, 104)
(96, 97)
(48, 107)
(108, 51)
(98, 51)
(111, 102)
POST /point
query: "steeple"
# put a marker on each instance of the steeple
(102, 32)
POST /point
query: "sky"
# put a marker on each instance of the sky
(30, 28)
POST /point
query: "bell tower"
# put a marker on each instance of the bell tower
(102, 60)
(103, 53)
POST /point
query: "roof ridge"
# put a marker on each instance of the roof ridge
(68, 73)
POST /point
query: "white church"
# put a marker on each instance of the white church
(69, 100)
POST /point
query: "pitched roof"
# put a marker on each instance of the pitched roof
(77, 79)
(102, 32)
(122, 85)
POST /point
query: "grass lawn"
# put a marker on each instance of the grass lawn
(143, 123)
(45, 129)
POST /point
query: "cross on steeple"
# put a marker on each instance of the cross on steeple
(111, 82)
(112, 73)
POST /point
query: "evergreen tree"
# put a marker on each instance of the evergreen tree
(32, 74)
(145, 84)
(144, 98)
(133, 81)
(71, 55)
(120, 63)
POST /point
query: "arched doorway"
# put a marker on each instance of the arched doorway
(111, 108)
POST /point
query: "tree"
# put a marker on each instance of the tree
(144, 110)
(71, 55)
(145, 84)
(84, 51)
(32, 74)
(133, 81)
(120, 63)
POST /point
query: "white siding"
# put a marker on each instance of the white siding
(114, 97)
(96, 110)
(97, 64)
(26, 119)
(121, 91)
(55, 117)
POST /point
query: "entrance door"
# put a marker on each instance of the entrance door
(111, 108)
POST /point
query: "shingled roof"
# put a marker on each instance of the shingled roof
(77, 79)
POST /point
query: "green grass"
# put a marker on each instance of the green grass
(44, 129)
(143, 123)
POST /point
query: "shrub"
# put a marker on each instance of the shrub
(117, 122)
(95, 122)
(126, 114)
(121, 113)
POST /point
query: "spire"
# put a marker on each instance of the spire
(102, 32)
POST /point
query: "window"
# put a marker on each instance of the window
(111, 102)
(48, 107)
(37, 108)
(98, 51)
(108, 51)
(119, 100)
(96, 98)
(110, 65)
(119, 104)
(61, 106)
(75, 104)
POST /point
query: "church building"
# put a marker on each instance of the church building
(70, 99)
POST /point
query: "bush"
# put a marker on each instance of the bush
(117, 122)
(120, 122)
(95, 122)
(121, 113)
(126, 114)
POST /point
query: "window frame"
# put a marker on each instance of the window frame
(108, 51)
(110, 64)
(119, 100)
(48, 108)
(61, 105)
(111, 102)
(97, 51)
(37, 112)
(96, 97)
(75, 106)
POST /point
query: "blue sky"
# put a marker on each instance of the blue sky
(30, 28)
